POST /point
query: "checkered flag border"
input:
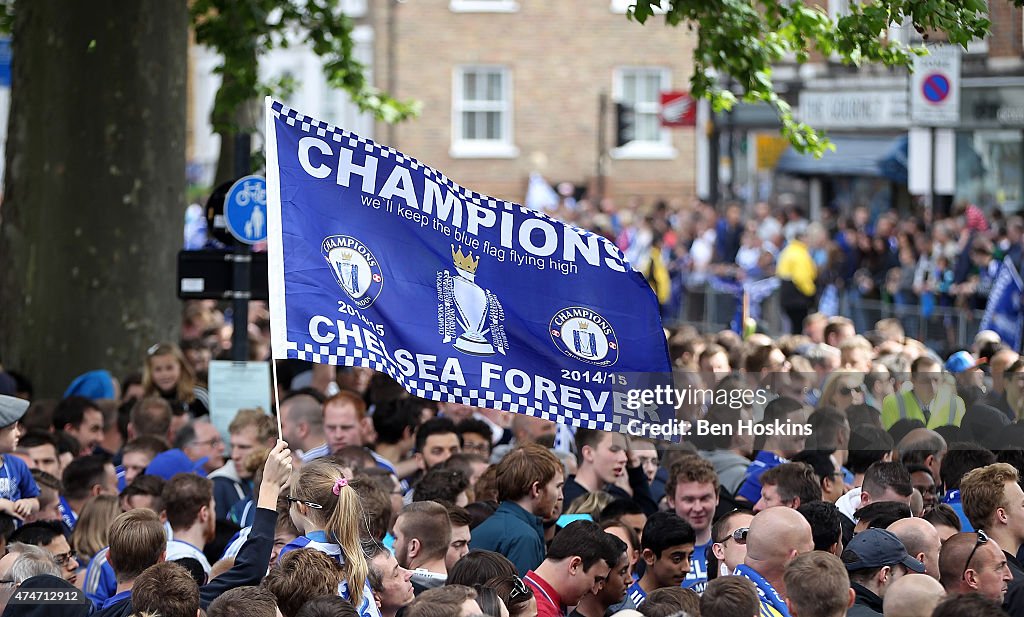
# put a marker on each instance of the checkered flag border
(435, 391)
(349, 139)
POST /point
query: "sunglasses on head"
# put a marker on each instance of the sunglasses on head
(153, 349)
(309, 504)
(982, 539)
(519, 591)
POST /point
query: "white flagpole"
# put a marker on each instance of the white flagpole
(277, 395)
(276, 303)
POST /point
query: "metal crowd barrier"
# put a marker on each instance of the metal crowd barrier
(945, 328)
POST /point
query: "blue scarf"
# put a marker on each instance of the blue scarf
(765, 590)
(67, 516)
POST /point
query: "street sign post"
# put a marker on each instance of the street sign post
(934, 112)
(935, 87)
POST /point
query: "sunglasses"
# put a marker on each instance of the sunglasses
(739, 535)
(982, 539)
(519, 591)
(308, 504)
(846, 391)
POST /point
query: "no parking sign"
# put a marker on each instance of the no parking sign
(935, 87)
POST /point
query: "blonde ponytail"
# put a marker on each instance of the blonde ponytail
(322, 482)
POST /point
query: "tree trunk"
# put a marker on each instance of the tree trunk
(95, 186)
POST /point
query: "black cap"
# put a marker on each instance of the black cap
(33, 608)
(874, 548)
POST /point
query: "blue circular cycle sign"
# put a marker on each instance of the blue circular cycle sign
(245, 209)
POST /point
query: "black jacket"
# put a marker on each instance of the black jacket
(637, 480)
(1013, 603)
(121, 609)
(250, 563)
(866, 604)
(32, 608)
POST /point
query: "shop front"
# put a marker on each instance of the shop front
(868, 166)
(989, 161)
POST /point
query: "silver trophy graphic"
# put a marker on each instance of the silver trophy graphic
(471, 306)
(348, 272)
(585, 342)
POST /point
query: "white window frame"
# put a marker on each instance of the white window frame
(483, 6)
(654, 149)
(620, 7)
(482, 148)
(905, 33)
(353, 8)
(838, 8)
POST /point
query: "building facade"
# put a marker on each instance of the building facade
(885, 157)
(513, 87)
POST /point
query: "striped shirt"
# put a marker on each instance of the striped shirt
(317, 540)
(636, 593)
(315, 453)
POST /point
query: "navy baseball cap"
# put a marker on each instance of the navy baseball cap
(874, 548)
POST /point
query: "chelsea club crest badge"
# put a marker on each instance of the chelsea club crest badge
(584, 334)
(354, 267)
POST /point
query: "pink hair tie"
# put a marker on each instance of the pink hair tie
(339, 484)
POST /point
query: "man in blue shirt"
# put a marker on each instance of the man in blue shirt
(529, 483)
(777, 449)
(667, 544)
(692, 492)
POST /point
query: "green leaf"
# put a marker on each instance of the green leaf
(242, 31)
(740, 41)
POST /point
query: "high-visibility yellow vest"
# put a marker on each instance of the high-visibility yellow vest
(902, 405)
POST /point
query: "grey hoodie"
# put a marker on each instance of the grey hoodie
(730, 467)
(228, 489)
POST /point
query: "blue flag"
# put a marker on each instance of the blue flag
(1003, 313)
(377, 260)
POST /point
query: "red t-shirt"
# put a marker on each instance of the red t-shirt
(549, 603)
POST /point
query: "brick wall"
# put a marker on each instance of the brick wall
(561, 55)
(1005, 38)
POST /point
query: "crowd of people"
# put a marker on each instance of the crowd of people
(902, 499)
(834, 263)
